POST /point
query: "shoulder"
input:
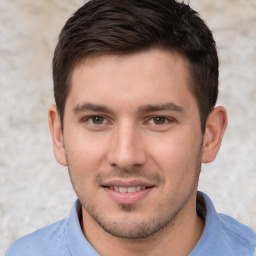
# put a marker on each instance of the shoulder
(222, 235)
(49, 240)
(239, 235)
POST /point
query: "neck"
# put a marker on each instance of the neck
(178, 238)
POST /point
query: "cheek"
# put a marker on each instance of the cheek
(84, 152)
(176, 154)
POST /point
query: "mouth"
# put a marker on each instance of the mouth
(128, 193)
(127, 189)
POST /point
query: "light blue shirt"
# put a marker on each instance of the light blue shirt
(222, 236)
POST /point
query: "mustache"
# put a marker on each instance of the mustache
(128, 174)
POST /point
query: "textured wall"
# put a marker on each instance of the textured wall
(34, 189)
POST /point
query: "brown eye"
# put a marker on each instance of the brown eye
(159, 120)
(97, 120)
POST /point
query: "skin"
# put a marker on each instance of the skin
(132, 121)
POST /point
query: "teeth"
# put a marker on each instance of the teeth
(127, 189)
(123, 190)
(131, 189)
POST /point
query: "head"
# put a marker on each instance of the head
(135, 84)
(129, 26)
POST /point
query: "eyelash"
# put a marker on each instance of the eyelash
(87, 119)
(165, 120)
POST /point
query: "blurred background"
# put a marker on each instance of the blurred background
(35, 190)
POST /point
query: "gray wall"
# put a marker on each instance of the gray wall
(34, 189)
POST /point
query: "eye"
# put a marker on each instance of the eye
(159, 120)
(96, 120)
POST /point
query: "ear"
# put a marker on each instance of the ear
(214, 130)
(57, 135)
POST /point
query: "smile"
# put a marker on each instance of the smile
(127, 189)
(127, 194)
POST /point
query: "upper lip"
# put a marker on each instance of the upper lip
(131, 183)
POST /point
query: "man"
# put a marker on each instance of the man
(135, 85)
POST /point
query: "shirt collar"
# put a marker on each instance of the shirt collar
(214, 239)
(76, 241)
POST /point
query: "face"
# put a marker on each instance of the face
(132, 142)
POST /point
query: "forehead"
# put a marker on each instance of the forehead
(153, 75)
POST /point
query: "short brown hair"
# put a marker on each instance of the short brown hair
(129, 26)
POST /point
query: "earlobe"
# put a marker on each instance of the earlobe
(57, 135)
(214, 131)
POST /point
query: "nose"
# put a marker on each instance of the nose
(126, 148)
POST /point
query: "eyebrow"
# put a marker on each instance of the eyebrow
(147, 108)
(168, 106)
(90, 107)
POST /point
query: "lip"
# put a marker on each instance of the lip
(131, 183)
(128, 198)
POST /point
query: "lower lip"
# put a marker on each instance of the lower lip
(127, 198)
